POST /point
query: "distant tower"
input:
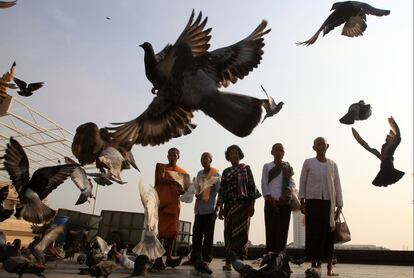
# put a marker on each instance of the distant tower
(298, 230)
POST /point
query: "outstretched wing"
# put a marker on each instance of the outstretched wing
(183, 179)
(151, 202)
(160, 122)
(78, 176)
(87, 143)
(20, 83)
(103, 245)
(49, 237)
(17, 164)
(35, 86)
(193, 35)
(228, 64)
(392, 140)
(365, 144)
(368, 9)
(5, 4)
(46, 179)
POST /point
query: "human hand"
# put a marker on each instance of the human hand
(302, 208)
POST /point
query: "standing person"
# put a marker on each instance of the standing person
(205, 216)
(235, 204)
(277, 187)
(320, 192)
(169, 192)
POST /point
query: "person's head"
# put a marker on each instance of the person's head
(173, 155)
(320, 145)
(278, 152)
(206, 159)
(234, 154)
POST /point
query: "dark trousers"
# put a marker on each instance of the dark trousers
(319, 237)
(277, 221)
(203, 233)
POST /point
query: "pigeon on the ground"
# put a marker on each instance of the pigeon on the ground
(21, 265)
(125, 261)
(270, 106)
(81, 180)
(149, 244)
(186, 78)
(26, 90)
(387, 174)
(313, 272)
(140, 266)
(6, 78)
(33, 190)
(356, 112)
(352, 13)
(103, 268)
(7, 4)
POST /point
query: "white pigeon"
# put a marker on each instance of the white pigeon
(81, 180)
(203, 182)
(125, 261)
(112, 160)
(183, 179)
(188, 196)
(149, 244)
(103, 245)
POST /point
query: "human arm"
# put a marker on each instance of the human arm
(338, 191)
(302, 185)
(265, 183)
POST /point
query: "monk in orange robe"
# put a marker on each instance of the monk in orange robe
(169, 192)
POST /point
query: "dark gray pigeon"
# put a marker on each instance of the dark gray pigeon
(387, 174)
(270, 106)
(81, 180)
(7, 4)
(352, 13)
(356, 112)
(21, 265)
(186, 78)
(33, 190)
(27, 90)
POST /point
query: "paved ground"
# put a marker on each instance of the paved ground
(69, 269)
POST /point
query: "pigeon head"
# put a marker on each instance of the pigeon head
(335, 6)
(146, 46)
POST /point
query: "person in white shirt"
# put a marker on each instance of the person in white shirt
(277, 187)
(320, 193)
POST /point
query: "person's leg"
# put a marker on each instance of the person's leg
(197, 235)
(269, 227)
(207, 249)
(168, 250)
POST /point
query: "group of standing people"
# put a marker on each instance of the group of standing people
(320, 196)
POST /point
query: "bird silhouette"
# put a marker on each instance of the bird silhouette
(25, 89)
(186, 78)
(352, 13)
(81, 180)
(387, 174)
(356, 112)
(270, 106)
(33, 190)
(7, 4)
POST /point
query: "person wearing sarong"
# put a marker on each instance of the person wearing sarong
(168, 191)
(235, 203)
(320, 193)
(205, 216)
(277, 187)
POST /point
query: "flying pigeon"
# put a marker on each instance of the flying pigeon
(270, 106)
(387, 174)
(181, 178)
(27, 90)
(186, 78)
(108, 18)
(357, 112)
(7, 4)
(352, 13)
(149, 244)
(81, 180)
(33, 190)
(6, 78)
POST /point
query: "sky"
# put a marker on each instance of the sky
(93, 71)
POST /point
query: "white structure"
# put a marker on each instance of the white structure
(298, 229)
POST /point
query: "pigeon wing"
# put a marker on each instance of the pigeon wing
(49, 237)
(160, 122)
(181, 178)
(78, 176)
(17, 165)
(103, 245)
(355, 26)
(35, 86)
(20, 83)
(228, 64)
(46, 179)
(365, 144)
(368, 9)
(6, 4)
(151, 202)
(392, 140)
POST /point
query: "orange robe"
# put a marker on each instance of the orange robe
(169, 208)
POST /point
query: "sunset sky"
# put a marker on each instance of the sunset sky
(93, 70)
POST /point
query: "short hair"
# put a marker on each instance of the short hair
(208, 154)
(234, 147)
(320, 137)
(174, 149)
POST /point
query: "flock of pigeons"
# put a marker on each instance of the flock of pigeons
(186, 77)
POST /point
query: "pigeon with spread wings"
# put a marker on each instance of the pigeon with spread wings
(33, 190)
(352, 13)
(270, 105)
(149, 244)
(186, 78)
(387, 174)
(26, 90)
(81, 180)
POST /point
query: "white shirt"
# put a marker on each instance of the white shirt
(274, 188)
(314, 181)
